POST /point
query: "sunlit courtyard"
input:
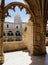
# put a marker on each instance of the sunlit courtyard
(47, 49)
(17, 58)
(22, 58)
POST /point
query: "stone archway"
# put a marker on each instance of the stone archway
(21, 6)
(4, 10)
(39, 43)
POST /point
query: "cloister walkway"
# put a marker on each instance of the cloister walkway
(23, 57)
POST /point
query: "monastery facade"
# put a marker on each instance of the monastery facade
(13, 31)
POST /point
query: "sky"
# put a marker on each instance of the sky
(24, 16)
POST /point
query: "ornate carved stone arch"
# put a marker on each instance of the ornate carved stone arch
(21, 6)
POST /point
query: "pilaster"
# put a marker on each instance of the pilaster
(1, 41)
(39, 37)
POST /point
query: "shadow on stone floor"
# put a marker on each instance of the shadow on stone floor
(39, 60)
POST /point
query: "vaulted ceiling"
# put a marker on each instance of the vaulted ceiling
(38, 7)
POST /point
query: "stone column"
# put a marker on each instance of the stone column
(38, 37)
(0, 64)
(1, 40)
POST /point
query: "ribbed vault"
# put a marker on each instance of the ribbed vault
(37, 6)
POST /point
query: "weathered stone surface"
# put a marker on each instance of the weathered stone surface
(28, 37)
(13, 46)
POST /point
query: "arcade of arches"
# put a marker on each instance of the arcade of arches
(39, 15)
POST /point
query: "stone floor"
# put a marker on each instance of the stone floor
(40, 60)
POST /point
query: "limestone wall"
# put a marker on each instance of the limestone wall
(13, 46)
(28, 37)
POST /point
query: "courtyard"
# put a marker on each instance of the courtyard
(24, 58)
